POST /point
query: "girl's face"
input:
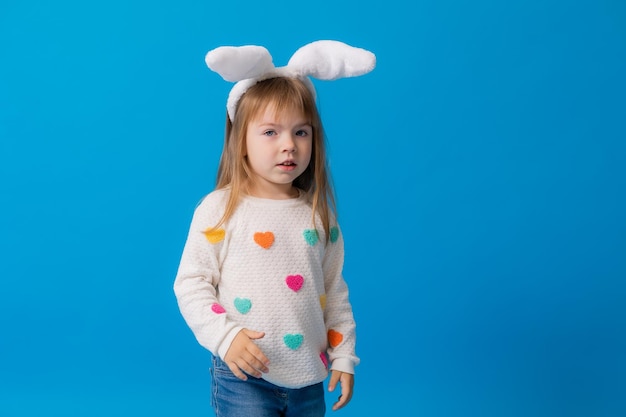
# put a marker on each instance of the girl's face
(278, 149)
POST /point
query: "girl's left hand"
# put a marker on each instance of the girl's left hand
(347, 384)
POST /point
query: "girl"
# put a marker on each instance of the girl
(260, 280)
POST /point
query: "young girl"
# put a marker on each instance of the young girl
(260, 280)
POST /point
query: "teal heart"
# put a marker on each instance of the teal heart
(293, 341)
(334, 234)
(243, 305)
(311, 236)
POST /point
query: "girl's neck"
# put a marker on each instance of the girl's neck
(283, 193)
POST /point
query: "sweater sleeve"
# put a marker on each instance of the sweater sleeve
(338, 316)
(198, 276)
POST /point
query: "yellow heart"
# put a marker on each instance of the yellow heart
(214, 236)
(323, 301)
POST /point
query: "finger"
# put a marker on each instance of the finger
(250, 366)
(341, 401)
(347, 384)
(260, 362)
(258, 365)
(334, 378)
(252, 334)
(251, 371)
(236, 371)
(258, 358)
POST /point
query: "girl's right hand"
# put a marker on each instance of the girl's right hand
(244, 356)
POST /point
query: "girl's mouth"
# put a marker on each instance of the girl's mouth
(287, 166)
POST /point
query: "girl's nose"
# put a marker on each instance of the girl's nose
(289, 145)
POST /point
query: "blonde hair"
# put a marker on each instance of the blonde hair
(234, 172)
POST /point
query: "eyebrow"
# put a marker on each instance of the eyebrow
(272, 124)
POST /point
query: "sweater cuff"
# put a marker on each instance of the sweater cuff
(226, 342)
(343, 365)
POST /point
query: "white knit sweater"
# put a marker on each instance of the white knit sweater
(267, 269)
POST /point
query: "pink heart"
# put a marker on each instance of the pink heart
(295, 282)
(217, 309)
(324, 359)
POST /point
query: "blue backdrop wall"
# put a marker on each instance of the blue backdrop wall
(481, 174)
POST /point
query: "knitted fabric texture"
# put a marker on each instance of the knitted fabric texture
(268, 269)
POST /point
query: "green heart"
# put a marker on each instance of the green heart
(243, 305)
(293, 341)
(311, 236)
(334, 234)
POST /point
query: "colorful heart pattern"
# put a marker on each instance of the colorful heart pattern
(294, 282)
(293, 341)
(264, 239)
(214, 236)
(334, 338)
(311, 236)
(243, 305)
(324, 359)
(217, 309)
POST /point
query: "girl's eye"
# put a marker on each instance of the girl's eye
(302, 133)
(269, 133)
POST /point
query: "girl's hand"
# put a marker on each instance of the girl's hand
(347, 384)
(244, 355)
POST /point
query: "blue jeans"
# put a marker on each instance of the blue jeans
(232, 397)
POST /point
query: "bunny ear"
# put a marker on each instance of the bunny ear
(236, 63)
(330, 60)
(324, 60)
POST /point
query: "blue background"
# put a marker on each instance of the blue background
(481, 175)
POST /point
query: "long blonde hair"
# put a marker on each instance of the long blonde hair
(234, 172)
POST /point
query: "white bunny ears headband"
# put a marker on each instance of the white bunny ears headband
(324, 60)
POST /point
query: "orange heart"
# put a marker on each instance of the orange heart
(214, 236)
(334, 338)
(264, 240)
